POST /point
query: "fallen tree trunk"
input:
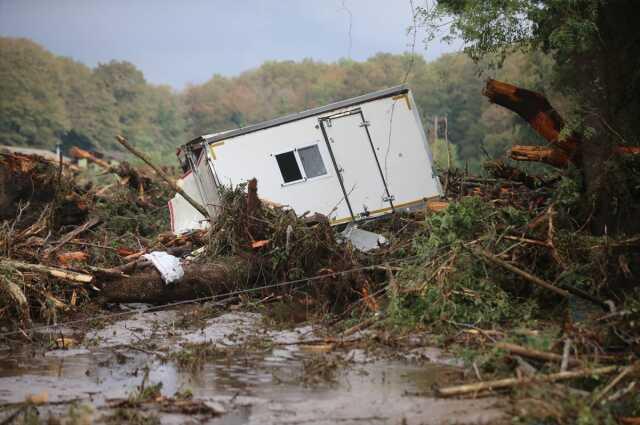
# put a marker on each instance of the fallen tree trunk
(199, 280)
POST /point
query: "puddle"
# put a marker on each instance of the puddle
(270, 381)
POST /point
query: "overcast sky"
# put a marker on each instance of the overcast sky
(178, 42)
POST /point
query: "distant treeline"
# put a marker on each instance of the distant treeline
(47, 99)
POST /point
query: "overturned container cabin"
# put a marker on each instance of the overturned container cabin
(350, 160)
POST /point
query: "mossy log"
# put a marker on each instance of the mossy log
(200, 280)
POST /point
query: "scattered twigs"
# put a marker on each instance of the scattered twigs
(71, 235)
(360, 326)
(163, 176)
(480, 387)
(158, 354)
(527, 241)
(615, 381)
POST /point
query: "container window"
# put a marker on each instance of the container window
(312, 161)
(289, 167)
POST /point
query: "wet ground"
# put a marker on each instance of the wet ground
(255, 375)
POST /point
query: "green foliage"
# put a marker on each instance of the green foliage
(440, 154)
(67, 102)
(450, 285)
(48, 99)
(596, 64)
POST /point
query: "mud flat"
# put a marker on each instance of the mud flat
(236, 371)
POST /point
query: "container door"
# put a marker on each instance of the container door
(357, 164)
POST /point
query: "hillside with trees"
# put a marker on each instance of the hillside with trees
(49, 99)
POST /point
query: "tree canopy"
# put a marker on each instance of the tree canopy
(49, 99)
(595, 46)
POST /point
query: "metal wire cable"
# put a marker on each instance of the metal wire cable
(210, 297)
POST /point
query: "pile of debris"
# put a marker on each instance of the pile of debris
(504, 267)
(70, 240)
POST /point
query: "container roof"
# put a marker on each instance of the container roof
(227, 134)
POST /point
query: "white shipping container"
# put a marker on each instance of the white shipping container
(351, 160)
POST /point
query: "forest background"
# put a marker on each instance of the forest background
(48, 99)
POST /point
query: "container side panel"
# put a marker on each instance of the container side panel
(255, 154)
(398, 138)
(357, 165)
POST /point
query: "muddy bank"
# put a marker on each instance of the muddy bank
(252, 375)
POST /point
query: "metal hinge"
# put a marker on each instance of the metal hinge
(364, 124)
(389, 198)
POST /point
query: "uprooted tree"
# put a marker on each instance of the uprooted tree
(596, 50)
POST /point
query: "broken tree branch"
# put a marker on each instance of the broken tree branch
(626, 371)
(163, 176)
(123, 170)
(514, 382)
(535, 109)
(535, 354)
(51, 271)
(72, 234)
(485, 255)
(552, 156)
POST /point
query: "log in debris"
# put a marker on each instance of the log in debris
(481, 387)
(199, 280)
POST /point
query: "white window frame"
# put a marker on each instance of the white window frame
(303, 172)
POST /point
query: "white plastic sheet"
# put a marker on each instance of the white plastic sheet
(169, 266)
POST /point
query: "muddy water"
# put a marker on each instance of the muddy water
(274, 380)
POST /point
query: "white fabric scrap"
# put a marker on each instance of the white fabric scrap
(169, 266)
